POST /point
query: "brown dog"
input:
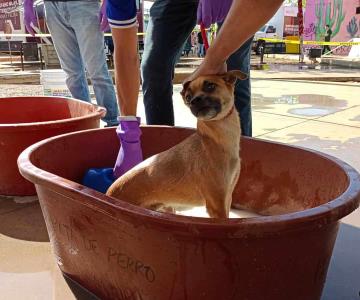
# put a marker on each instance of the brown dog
(202, 169)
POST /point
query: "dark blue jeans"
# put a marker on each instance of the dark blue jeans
(170, 24)
(240, 60)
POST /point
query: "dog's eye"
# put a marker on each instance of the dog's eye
(188, 98)
(209, 87)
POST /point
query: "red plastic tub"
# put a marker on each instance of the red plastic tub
(121, 251)
(27, 120)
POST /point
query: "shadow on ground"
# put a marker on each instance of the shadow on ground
(22, 221)
(343, 280)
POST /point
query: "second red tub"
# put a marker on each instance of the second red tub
(27, 120)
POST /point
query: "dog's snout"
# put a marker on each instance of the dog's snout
(204, 106)
(195, 100)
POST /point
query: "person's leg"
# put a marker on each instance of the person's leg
(67, 48)
(201, 50)
(240, 60)
(84, 19)
(171, 22)
(328, 49)
(323, 50)
(110, 44)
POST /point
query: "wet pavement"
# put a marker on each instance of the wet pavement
(275, 67)
(295, 67)
(321, 116)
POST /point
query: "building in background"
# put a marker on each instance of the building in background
(343, 17)
(11, 21)
(291, 22)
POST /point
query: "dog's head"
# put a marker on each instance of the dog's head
(211, 97)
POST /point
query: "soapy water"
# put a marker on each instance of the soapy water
(200, 211)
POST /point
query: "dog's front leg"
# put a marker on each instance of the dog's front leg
(218, 204)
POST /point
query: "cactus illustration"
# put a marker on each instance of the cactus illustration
(352, 28)
(326, 16)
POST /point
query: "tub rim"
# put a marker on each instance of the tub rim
(319, 216)
(98, 113)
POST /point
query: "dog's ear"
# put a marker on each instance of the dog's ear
(185, 87)
(231, 76)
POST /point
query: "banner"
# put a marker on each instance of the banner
(311, 42)
(10, 18)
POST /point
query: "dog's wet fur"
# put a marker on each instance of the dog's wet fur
(201, 170)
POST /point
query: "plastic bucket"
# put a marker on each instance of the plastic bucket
(27, 120)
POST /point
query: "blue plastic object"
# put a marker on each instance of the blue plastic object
(99, 179)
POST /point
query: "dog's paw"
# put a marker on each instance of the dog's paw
(160, 207)
(167, 209)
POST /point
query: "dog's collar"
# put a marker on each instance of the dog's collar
(230, 111)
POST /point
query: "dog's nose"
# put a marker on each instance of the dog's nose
(195, 100)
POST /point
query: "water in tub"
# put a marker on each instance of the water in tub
(200, 211)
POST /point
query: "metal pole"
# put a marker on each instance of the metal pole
(262, 50)
(10, 52)
(41, 58)
(22, 56)
(301, 30)
(301, 49)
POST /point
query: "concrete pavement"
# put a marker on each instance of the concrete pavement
(276, 67)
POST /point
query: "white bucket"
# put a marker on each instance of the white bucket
(54, 84)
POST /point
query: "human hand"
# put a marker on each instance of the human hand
(207, 68)
(104, 23)
(212, 11)
(130, 153)
(29, 16)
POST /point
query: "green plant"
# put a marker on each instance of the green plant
(326, 16)
(352, 28)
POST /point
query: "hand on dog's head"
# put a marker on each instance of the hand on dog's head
(211, 97)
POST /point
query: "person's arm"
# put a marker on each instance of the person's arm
(244, 19)
(127, 70)
(123, 22)
(122, 18)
